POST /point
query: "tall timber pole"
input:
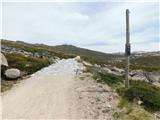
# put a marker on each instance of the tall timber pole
(127, 49)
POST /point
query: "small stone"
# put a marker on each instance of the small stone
(108, 106)
(92, 102)
(140, 102)
(105, 111)
(80, 97)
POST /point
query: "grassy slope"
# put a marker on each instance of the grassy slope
(62, 51)
(147, 63)
(92, 56)
(34, 48)
(28, 65)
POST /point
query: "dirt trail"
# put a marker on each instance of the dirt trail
(55, 93)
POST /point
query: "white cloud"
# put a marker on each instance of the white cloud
(0, 19)
(82, 24)
(80, 1)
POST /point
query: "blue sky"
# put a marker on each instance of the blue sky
(94, 25)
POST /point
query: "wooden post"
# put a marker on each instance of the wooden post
(127, 49)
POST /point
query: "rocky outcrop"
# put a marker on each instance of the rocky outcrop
(4, 65)
(145, 76)
(12, 73)
(152, 77)
(138, 75)
(37, 54)
(9, 50)
(3, 60)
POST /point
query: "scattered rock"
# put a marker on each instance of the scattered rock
(108, 106)
(78, 59)
(156, 84)
(114, 70)
(139, 102)
(118, 70)
(87, 63)
(105, 111)
(157, 115)
(52, 60)
(27, 65)
(12, 73)
(97, 65)
(107, 69)
(57, 59)
(95, 89)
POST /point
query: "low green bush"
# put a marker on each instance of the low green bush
(110, 79)
(26, 64)
(138, 90)
(149, 94)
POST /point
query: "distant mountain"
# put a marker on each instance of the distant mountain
(144, 53)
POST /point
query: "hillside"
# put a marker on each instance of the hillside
(148, 61)
(95, 70)
(61, 50)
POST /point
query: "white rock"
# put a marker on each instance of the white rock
(134, 72)
(78, 59)
(140, 102)
(87, 63)
(108, 106)
(107, 69)
(97, 65)
(3, 60)
(117, 70)
(154, 76)
(156, 84)
(138, 75)
(12, 73)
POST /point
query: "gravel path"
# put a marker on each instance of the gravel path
(56, 92)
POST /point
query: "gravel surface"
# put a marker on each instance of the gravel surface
(56, 92)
